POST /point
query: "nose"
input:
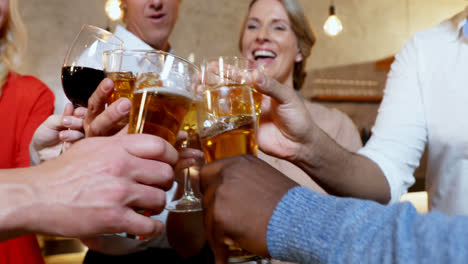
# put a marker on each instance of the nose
(262, 35)
(156, 4)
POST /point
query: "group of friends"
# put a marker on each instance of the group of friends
(313, 194)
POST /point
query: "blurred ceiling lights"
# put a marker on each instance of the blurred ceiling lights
(113, 10)
(332, 26)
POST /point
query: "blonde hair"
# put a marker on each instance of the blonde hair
(12, 41)
(305, 37)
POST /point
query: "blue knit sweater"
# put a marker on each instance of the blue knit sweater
(307, 227)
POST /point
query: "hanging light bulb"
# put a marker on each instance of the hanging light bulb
(113, 10)
(332, 26)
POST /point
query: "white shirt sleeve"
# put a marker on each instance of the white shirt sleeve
(400, 132)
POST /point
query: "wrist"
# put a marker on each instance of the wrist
(16, 205)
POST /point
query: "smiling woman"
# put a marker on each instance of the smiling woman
(276, 33)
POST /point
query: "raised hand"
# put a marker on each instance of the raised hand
(94, 187)
(240, 195)
(48, 137)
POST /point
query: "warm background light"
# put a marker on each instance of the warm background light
(113, 10)
(333, 26)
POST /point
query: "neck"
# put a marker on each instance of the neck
(288, 81)
(159, 44)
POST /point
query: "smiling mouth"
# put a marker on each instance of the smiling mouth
(263, 54)
(157, 17)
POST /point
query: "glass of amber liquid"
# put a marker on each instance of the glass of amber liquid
(122, 67)
(227, 116)
(162, 98)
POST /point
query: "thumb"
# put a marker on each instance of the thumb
(269, 86)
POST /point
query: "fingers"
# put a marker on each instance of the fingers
(149, 172)
(272, 88)
(187, 153)
(70, 135)
(148, 197)
(141, 225)
(80, 112)
(149, 147)
(72, 122)
(209, 172)
(181, 136)
(68, 110)
(97, 101)
(109, 118)
(215, 236)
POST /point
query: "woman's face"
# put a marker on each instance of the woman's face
(4, 10)
(269, 39)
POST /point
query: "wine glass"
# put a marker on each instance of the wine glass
(82, 69)
(189, 202)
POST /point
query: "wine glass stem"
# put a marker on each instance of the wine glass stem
(187, 183)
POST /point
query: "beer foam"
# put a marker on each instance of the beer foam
(165, 90)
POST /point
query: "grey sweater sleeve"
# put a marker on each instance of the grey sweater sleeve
(307, 227)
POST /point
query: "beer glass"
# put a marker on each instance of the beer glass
(163, 95)
(227, 117)
(122, 67)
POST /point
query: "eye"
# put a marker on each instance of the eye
(280, 28)
(251, 26)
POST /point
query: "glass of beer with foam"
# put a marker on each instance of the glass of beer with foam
(227, 117)
(162, 95)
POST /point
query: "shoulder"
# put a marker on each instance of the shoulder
(432, 38)
(28, 83)
(322, 113)
(336, 124)
(29, 90)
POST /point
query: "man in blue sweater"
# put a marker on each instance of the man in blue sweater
(248, 202)
(263, 211)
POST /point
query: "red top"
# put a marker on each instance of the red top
(25, 103)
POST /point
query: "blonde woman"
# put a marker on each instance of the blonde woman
(25, 102)
(276, 33)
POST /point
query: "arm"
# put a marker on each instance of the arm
(383, 169)
(90, 189)
(38, 104)
(287, 131)
(269, 215)
(307, 227)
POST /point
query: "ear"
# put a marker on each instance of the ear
(299, 57)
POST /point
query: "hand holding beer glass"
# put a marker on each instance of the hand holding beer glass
(162, 97)
(227, 117)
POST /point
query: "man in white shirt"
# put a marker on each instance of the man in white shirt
(425, 104)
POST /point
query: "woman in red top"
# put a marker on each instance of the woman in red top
(25, 102)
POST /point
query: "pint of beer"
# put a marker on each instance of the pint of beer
(230, 108)
(159, 111)
(227, 118)
(162, 96)
(229, 122)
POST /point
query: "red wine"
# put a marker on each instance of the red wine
(79, 83)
